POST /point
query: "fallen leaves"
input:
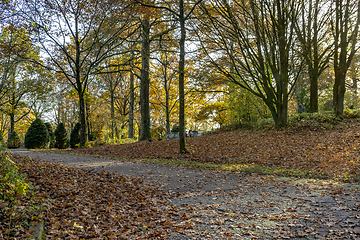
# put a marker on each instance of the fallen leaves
(82, 203)
(330, 153)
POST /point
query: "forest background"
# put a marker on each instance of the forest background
(140, 69)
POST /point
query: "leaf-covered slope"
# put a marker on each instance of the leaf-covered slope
(329, 151)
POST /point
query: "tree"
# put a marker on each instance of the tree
(77, 37)
(61, 137)
(345, 25)
(252, 45)
(13, 140)
(37, 135)
(314, 38)
(113, 78)
(16, 48)
(131, 106)
(182, 17)
(75, 136)
(51, 135)
(145, 80)
(28, 85)
(164, 90)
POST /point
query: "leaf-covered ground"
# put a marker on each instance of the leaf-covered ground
(87, 204)
(320, 152)
(82, 204)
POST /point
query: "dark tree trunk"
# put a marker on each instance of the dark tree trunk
(80, 88)
(182, 79)
(145, 82)
(314, 103)
(82, 119)
(283, 92)
(12, 112)
(314, 71)
(12, 122)
(88, 124)
(354, 87)
(131, 107)
(112, 113)
(167, 107)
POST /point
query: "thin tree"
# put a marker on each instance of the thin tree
(181, 17)
(313, 34)
(345, 31)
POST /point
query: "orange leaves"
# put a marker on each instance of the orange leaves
(327, 151)
(89, 204)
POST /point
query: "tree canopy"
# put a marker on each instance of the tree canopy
(137, 68)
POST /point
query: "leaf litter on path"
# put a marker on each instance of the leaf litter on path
(333, 153)
(100, 204)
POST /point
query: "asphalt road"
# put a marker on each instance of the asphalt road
(170, 178)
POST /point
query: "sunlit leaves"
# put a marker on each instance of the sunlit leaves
(303, 151)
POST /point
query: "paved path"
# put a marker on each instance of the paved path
(170, 178)
(218, 205)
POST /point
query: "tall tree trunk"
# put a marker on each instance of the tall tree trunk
(12, 112)
(80, 88)
(167, 107)
(131, 107)
(112, 113)
(354, 78)
(82, 119)
(12, 122)
(314, 71)
(167, 97)
(314, 102)
(283, 98)
(145, 82)
(182, 79)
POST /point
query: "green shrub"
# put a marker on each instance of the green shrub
(13, 140)
(175, 128)
(11, 183)
(51, 135)
(37, 135)
(75, 136)
(349, 113)
(94, 136)
(61, 137)
(325, 118)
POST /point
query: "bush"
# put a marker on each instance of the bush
(75, 136)
(13, 140)
(175, 128)
(61, 137)
(94, 136)
(51, 135)
(11, 183)
(37, 135)
(350, 113)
